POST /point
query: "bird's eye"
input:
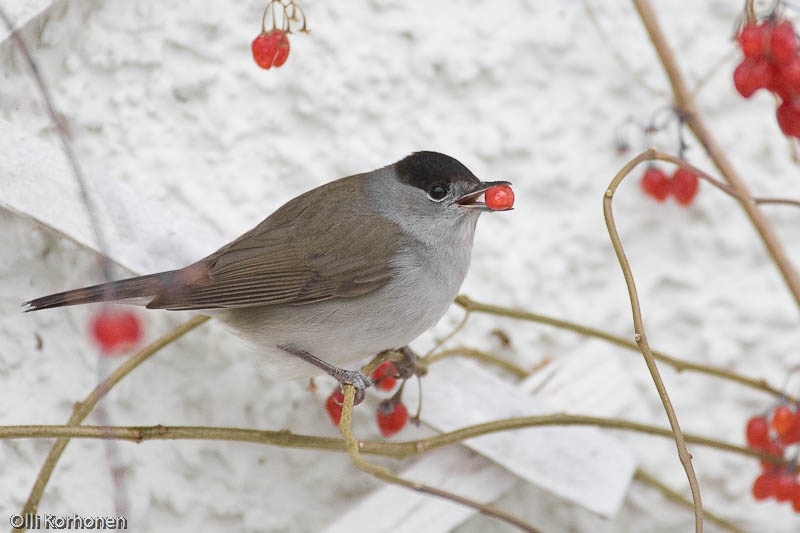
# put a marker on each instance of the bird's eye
(437, 193)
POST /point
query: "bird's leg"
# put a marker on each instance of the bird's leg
(343, 376)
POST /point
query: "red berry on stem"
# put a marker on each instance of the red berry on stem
(752, 40)
(499, 197)
(783, 42)
(265, 47)
(684, 186)
(334, 405)
(655, 183)
(788, 115)
(115, 331)
(282, 53)
(757, 432)
(384, 376)
(782, 419)
(764, 485)
(752, 75)
(392, 417)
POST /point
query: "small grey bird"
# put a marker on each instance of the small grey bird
(342, 272)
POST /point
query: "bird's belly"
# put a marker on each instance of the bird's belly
(341, 331)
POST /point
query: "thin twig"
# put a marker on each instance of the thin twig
(353, 446)
(621, 60)
(396, 450)
(641, 338)
(66, 147)
(478, 355)
(449, 336)
(82, 409)
(680, 365)
(649, 479)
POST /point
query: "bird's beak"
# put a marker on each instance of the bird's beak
(472, 199)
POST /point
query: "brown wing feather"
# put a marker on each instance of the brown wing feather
(275, 263)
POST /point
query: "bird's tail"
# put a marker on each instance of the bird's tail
(140, 290)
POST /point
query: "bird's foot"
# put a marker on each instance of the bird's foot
(354, 378)
(343, 376)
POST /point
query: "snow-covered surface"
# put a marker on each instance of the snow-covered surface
(163, 98)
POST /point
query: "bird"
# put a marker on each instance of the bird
(342, 272)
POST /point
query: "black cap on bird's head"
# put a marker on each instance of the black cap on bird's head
(444, 179)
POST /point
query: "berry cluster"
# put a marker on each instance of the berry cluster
(771, 62)
(271, 48)
(774, 436)
(115, 331)
(682, 185)
(392, 413)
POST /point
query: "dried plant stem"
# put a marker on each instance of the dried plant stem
(687, 107)
(82, 409)
(649, 479)
(641, 338)
(679, 365)
(353, 446)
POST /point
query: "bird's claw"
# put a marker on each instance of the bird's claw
(358, 380)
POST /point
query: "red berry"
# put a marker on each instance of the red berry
(783, 42)
(499, 197)
(684, 186)
(752, 75)
(782, 419)
(265, 48)
(764, 485)
(115, 331)
(283, 51)
(788, 115)
(784, 486)
(391, 417)
(334, 405)
(757, 432)
(752, 40)
(655, 183)
(384, 376)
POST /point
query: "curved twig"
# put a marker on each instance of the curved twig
(641, 338)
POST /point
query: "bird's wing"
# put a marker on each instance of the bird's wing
(276, 263)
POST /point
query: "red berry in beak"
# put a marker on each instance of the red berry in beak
(499, 197)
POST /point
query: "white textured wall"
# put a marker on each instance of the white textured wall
(165, 97)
